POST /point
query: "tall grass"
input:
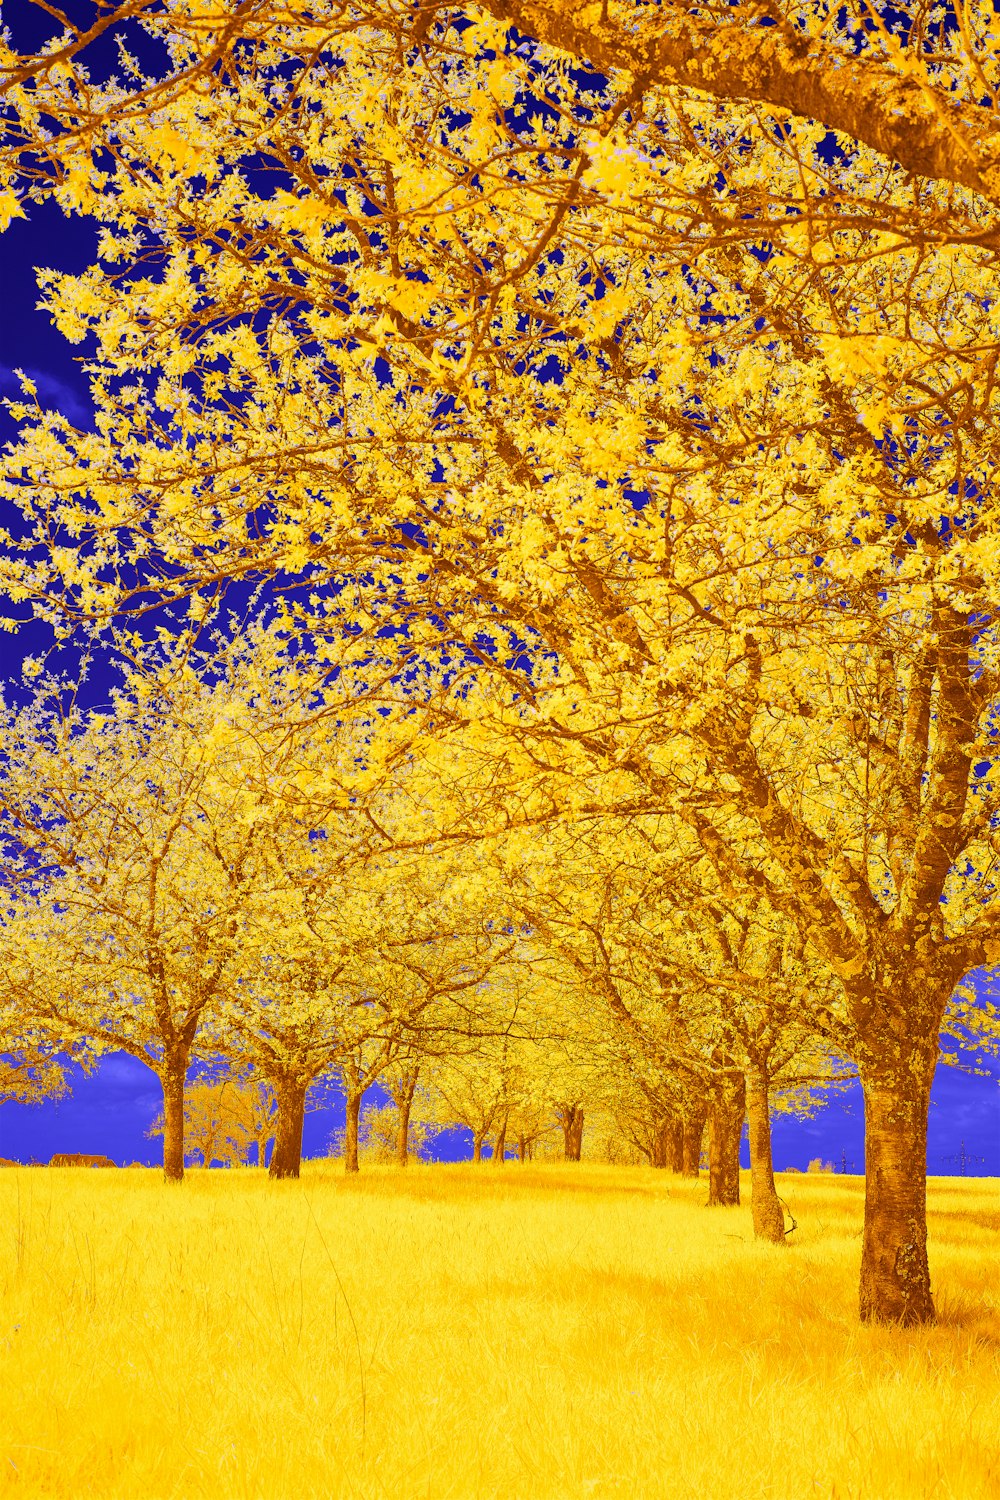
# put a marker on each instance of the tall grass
(461, 1332)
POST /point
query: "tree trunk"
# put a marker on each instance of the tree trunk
(286, 1157)
(172, 1081)
(693, 1130)
(477, 1146)
(895, 1276)
(725, 1127)
(521, 1149)
(675, 1143)
(659, 1143)
(352, 1117)
(768, 1217)
(571, 1120)
(403, 1137)
(500, 1145)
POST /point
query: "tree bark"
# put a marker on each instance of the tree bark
(725, 1127)
(927, 131)
(402, 1093)
(500, 1145)
(286, 1157)
(895, 1275)
(692, 1131)
(659, 1140)
(675, 1143)
(477, 1146)
(403, 1137)
(571, 1120)
(667, 1142)
(351, 1119)
(768, 1216)
(521, 1149)
(172, 1082)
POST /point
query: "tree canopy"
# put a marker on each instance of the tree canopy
(604, 397)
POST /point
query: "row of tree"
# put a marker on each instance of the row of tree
(197, 876)
(626, 434)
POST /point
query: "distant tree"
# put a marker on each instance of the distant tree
(360, 1066)
(400, 1081)
(138, 828)
(530, 1121)
(379, 1135)
(258, 1105)
(224, 1117)
(470, 1093)
(212, 1129)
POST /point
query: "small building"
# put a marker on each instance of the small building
(73, 1159)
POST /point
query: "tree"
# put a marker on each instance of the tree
(705, 996)
(469, 1096)
(223, 1118)
(484, 1083)
(360, 1066)
(379, 1135)
(258, 1106)
(646, 1132)
(529, 1123)
(135, 834)
(376, 980)
(128, 941)
(900, 100)
(570, 1118)
(400, 1081)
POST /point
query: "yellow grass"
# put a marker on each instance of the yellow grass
(522, 1333)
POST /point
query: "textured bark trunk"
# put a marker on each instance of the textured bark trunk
(172, 1082)
(725, 1127)
(571, 1120)
(351, 1119)
(675, 1144)
(767, 1213)
(403, 1138)
(521, 1149)
(500, 1145)
(895, 1276)
(403, 1098)
(286, 1158)
(692, 1131)
(477, 1147)
(659, 1143)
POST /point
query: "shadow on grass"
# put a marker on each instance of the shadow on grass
(462, 1180)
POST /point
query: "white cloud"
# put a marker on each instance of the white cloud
(53, 392)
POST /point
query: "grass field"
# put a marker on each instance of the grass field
(460, 1332)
